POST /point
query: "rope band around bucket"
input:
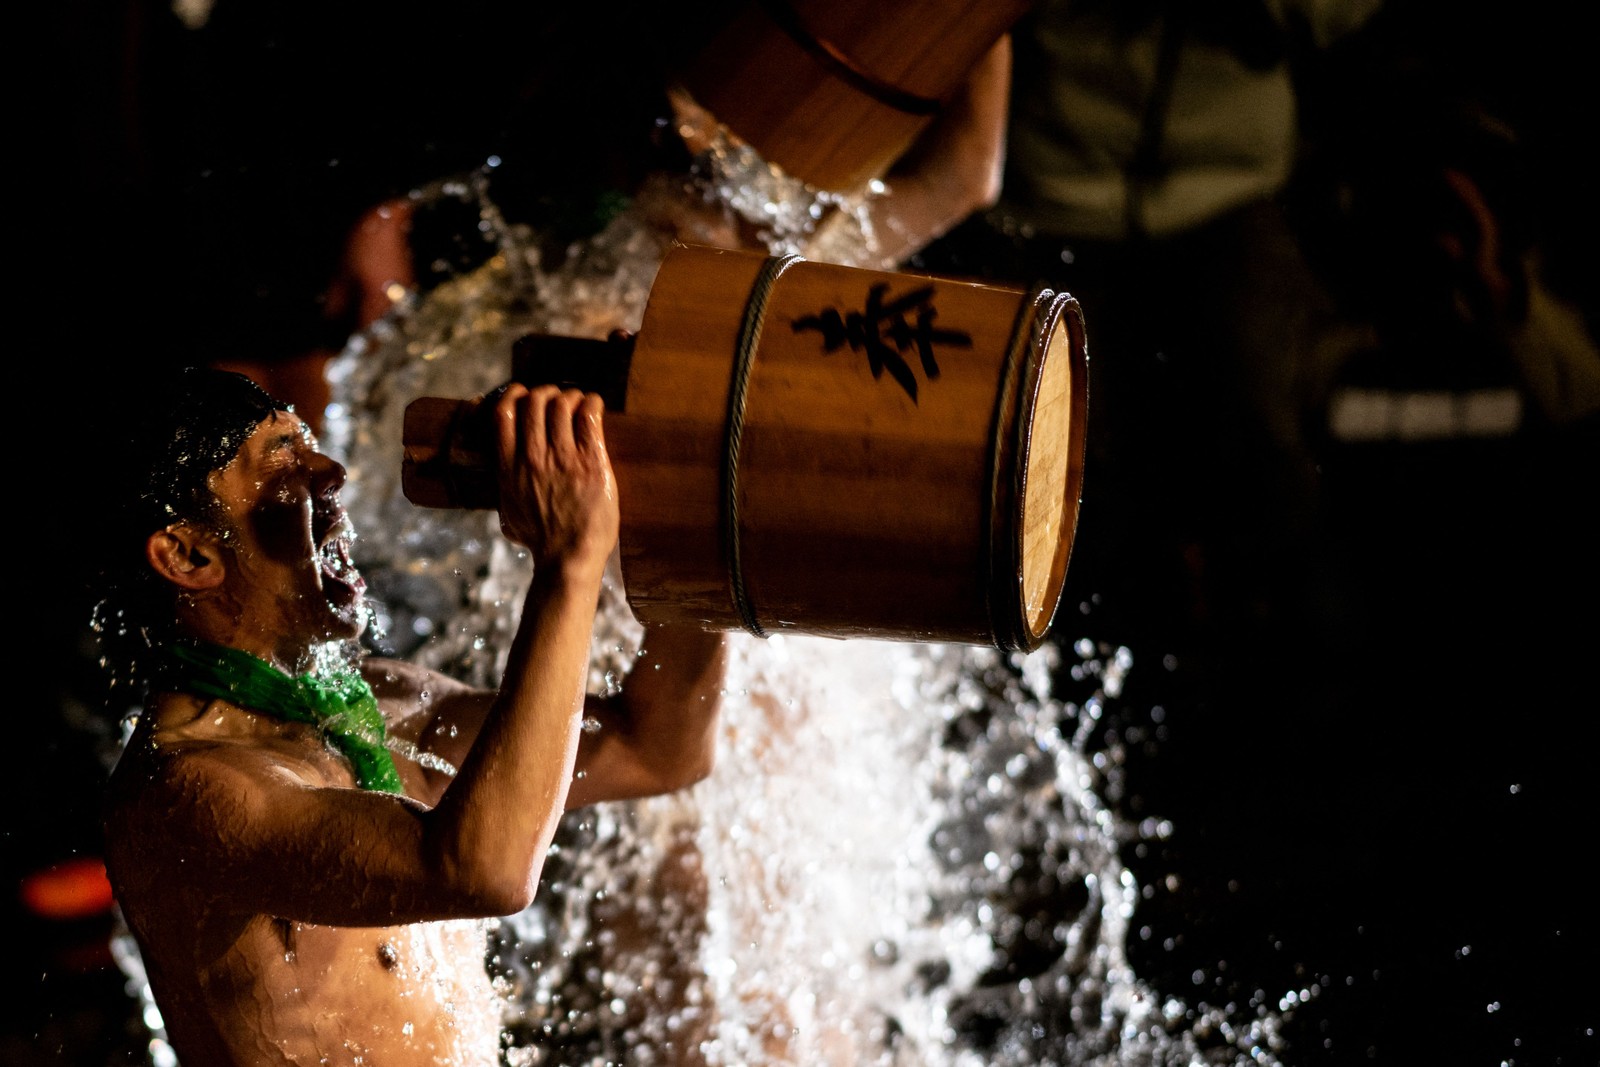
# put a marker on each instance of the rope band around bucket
(755, 312)
(838, 63)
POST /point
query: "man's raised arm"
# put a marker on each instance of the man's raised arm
(557, 497)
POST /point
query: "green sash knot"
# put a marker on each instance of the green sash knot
(340, 703)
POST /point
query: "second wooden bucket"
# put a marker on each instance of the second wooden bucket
(808, 448)
(833, 91)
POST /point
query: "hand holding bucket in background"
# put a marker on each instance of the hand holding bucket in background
(834, 91)
(808, 448)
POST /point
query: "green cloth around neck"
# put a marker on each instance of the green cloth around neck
(339, 703)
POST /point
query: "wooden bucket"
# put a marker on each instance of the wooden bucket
(808, 448)
(834, 91)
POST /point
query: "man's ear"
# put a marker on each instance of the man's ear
(186, 555)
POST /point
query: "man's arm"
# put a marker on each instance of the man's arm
(659, 733)
(656, 735)
(954, 169)
(557, 497)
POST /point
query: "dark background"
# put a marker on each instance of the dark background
(1390, 796)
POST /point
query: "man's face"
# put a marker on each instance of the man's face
(289, 536)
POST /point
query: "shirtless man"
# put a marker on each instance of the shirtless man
(295, 889)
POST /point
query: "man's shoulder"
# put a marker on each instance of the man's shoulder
(191, 767)
(203, 763)
(165, 798)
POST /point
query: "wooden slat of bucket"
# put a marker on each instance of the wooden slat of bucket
(667, 449)
(443, 463)
(886, 534)
(915, 504)
(799, 112)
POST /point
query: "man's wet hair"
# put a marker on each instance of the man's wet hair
(179, 427)
(193, 423)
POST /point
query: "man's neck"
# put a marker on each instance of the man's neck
(293, 656)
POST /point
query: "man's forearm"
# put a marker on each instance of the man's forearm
(673, 694)
(954, 169)
(659, 733)
(498, 818)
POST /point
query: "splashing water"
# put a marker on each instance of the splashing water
(906, 854)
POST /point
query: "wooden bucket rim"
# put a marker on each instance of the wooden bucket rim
(1044, 314)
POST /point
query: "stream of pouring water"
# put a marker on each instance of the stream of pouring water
(905, 855)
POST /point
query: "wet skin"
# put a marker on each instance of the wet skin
(286, 916)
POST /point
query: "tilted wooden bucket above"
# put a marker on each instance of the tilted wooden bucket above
(808, 448)
(834, 91)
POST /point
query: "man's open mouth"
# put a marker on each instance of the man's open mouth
(341, 581)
